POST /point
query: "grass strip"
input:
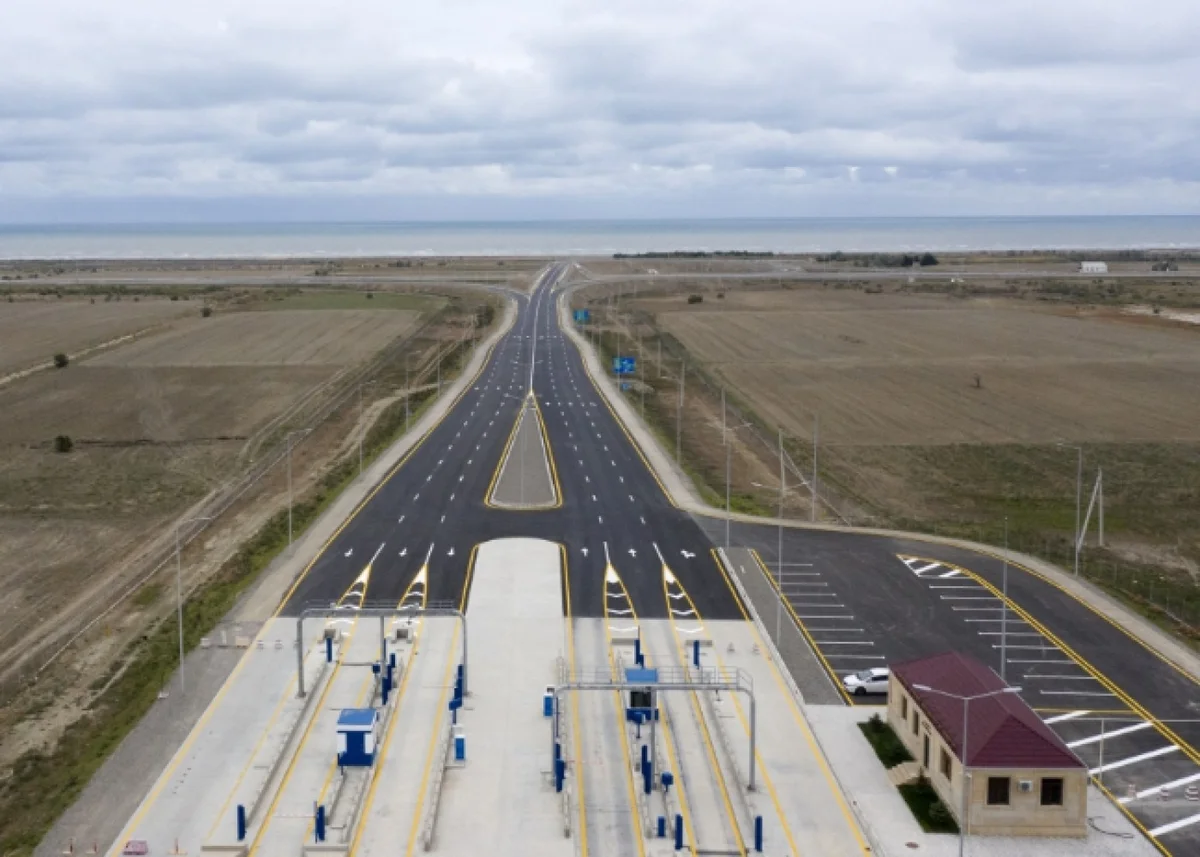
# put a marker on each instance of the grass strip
(885, 742)
(43, 784)
(927, 807)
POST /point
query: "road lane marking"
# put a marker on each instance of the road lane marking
(1133, 760)
(1104, 736)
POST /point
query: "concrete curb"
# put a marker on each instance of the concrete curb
(683, 494)
(266, 597)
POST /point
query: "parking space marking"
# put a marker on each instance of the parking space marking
(1133, 760)
(1070, 715)
(1127, 754)
(1104, 736)
(1155, 790)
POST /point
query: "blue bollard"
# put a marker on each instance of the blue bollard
(637, 650)
(548, 705)
(560, 773)
(329, 650)
(387, 689)
(696, 653)
(460, 748)
(320, 828)
(662, 827)
(392, 660)
(668, 780)
(557, 751)
(758, 834)
(375, 668)
(678, 832)
(241, 823)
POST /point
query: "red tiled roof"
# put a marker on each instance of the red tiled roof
(1004, 731)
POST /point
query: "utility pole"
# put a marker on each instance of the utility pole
(1004, 609)
(679, 416)
(779, 547)
(815, 500)
(179, 594)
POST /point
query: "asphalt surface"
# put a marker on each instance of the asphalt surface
(432, 509)
(866, 600)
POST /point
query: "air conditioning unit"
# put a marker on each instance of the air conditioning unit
(1025, 785)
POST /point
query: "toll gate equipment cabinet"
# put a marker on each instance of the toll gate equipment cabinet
(358, 736)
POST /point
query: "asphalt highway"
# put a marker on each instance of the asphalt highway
(432, 511)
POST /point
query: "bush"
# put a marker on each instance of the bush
(63, 443)
(695, 299)
(174, 297)
(886, 743)
(928, 259)
(61, 360)
(370, 295)
(927, 807)
(206, 311)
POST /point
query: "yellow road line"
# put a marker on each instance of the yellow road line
(798, 716)
(619, 709)
(695, 701)
(365, 579)
(558, 492)
(512, 436)
(620, 424)
(1104, 680)
(1162, 849)
(578, 742)
(384, 481)
(837, 682)
(387, 738)
(275, 714)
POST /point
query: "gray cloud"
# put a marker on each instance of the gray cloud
(697, 107)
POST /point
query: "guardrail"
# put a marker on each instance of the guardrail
(433, 805)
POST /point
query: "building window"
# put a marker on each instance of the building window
(997, 791)
(1052, 791)
(903, 707)
(944, 763)
(916, 722)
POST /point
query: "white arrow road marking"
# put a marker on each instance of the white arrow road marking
(687, 554)
(630, 498)
(643, 520)
(401, 521)
(469, 460)
(622, 478)
(632, 552)
(430, 476)
(451, 497)
(600, 518)
(440, 460)
(416, 497)
(460, 479)
(404, 552)
(585, 551)
(593, 498)
(350, 552)
(443, 520)
(450, 552)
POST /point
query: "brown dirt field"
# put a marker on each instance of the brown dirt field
(33, 330)
(894, 371)
(279, 337)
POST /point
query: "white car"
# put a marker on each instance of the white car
(874, 680)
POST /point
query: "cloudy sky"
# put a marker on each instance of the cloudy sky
(365, 109)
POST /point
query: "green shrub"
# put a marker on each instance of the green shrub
(61, 360)
(63, 443)
(886, 743)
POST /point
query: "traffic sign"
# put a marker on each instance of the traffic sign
(583, 316)
(624, 365)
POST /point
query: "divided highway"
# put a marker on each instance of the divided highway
(431, 510)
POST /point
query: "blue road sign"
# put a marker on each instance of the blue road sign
(624, 365)
(583, 316)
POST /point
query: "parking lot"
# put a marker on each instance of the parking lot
(860, 608)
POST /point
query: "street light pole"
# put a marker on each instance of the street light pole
(964, 810)
(1004, 608)
(679, 415)
(179, 594)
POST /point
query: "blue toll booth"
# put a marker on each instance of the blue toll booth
(358, 736)
(641, 702)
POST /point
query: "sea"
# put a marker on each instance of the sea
(594, 237)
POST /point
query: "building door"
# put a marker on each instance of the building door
(925, 753)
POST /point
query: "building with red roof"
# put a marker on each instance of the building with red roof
(1024, 781)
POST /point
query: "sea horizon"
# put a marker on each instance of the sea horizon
(594, 237)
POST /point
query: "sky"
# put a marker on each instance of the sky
(141, 110)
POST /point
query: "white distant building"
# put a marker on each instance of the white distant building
(1093, 267)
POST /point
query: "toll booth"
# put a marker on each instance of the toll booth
(641, 706)
(358, 736)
